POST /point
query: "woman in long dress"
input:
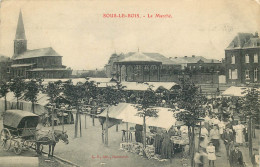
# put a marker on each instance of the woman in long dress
(239, 133)
(166, 152)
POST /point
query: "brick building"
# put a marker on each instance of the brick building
(5, 66)
(37, 63)
(242, 59)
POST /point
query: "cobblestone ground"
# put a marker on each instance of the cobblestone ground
(82, 150)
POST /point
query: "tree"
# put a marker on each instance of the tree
(145, 109)
(75, 94)
(53, 90)
(17, 87)
(191, 101)
(91, 92)
(31, 92)
(4, 89)
(251, 109)
(110, 95)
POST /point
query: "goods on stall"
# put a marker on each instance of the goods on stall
(180, 140)
(149, 151)
(132, 147)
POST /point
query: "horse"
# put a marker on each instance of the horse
(51, 139)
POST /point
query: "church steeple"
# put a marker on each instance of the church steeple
(20, 42)
(20, 33)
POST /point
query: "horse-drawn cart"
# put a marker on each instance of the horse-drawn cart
(19, 130)
(20, 133)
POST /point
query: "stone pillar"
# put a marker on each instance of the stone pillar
(126, 78)
(149, 68)
(143, 72)
(133, 72)
(120, 73)
(117, 72)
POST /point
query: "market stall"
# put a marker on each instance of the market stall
(162, 137)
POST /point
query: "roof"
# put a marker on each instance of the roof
(143, 86)
(159, 57)
(148, 57)
(100, 80)
(193, 59)
(43, 52)
(139, 58)
(20, 33)
(236, 91)
(4, 58)
(128, 113)
(48, 69)
(13, 117)
(244, 40)
(21, 65)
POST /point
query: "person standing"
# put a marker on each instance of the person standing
(211, 154)
(138, 133)
(239, 133)
(215, 136)
(236, 157)
(166, 152)
(228, 137)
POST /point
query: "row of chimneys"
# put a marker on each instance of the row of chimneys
(184, 57)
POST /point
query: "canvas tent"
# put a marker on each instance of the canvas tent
(42, 100)
(236, 91)
(128, 113)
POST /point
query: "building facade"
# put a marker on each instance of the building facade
(37, 63)
(5, 68)
(242, 59)
(142, 67)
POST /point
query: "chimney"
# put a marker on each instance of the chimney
(185, 56)
(193, 56)
(256, 34)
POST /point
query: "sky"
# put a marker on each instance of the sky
(78, 31)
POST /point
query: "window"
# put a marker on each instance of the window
(255, 58)
(255, 74)
(233, 59)
(246, 58)
(247, 74)
(234, 74)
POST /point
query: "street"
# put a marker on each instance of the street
(89, 150)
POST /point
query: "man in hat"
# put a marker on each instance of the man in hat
(236, 157)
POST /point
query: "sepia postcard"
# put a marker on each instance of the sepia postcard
(129, 83)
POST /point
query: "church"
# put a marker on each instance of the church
(37, 63)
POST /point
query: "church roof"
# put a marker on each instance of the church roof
(20, 33)
(43, 52)
(4, 58)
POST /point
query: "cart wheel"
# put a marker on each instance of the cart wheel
(5, 139)
(17, 147)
